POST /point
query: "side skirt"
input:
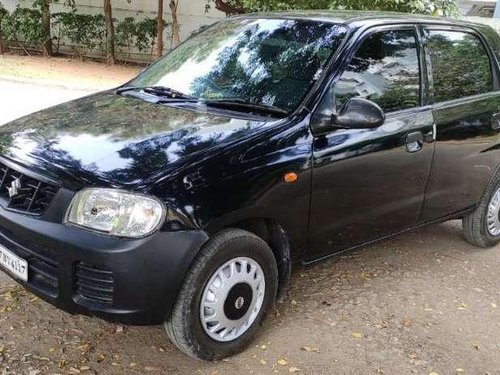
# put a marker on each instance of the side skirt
(455, 215)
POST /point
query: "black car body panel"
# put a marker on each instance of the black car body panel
(216, 169)
(135, 145)
(91, 274)
(344, 162)
(466, 151)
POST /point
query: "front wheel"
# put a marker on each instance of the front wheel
(482, 226)
(225, 296)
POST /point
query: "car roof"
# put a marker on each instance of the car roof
(356, 17)
(359, 19)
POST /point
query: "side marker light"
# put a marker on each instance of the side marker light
(290, 177)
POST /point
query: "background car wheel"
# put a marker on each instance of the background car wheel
(225, 296)
(482, 226)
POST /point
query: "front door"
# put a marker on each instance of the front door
(370, 183)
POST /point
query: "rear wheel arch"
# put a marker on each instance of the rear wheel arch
(474, 223)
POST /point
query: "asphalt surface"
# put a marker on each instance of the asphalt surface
(425, 302)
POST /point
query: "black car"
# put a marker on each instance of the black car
(184, 196)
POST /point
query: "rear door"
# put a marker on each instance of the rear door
(466, 108)
(369, 183)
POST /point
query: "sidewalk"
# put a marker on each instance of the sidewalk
(63, 72)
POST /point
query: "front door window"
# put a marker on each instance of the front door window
(385, 70)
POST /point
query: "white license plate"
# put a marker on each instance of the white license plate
(12, 263)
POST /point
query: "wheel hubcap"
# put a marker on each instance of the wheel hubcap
(232, 299)
(493, 217)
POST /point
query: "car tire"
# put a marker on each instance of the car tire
(482, 226)
(233, 254)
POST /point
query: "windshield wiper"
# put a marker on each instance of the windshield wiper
(233, 104)
(158, 91)
(240, 104)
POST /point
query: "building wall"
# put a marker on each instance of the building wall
(477, 8)
(191, 13)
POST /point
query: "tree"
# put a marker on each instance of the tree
(229, 7)
(44, 7)
(110, 33)
(435, 7)
(176, 37)
(3, 12)
(47, 45)
(159, 27)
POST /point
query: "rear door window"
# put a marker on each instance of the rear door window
(385, 70)
(460, 65)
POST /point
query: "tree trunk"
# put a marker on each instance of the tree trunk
(1, 34)
(110, 33)
(160, 27)
(47, 45)
(176, 36)
(223, 6)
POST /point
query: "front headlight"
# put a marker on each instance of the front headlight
(116, 212)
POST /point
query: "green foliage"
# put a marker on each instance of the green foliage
(86, 32)
(24, 24)
(139, 34)
(3, 11)
(124, 33)
(146, 33)
(434, 7)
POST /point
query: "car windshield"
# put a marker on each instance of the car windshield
(267, 62)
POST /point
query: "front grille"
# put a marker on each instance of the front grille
(94, 283)
(42, 266)
(23, 193)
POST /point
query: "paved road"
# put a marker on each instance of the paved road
(18, 99)
(423, 302)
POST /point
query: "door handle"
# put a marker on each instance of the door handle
(414, 141)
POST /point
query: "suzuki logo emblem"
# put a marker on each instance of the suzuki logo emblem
(14, 187)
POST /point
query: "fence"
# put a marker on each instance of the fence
(82, 32)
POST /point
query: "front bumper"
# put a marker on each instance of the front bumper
(81, 272)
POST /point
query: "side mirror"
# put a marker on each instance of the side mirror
(358, 113)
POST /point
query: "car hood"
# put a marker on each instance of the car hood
(112, 140)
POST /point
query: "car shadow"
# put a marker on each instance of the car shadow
(341, 279)
(354, 289)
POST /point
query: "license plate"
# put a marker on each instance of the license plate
(12, 263)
